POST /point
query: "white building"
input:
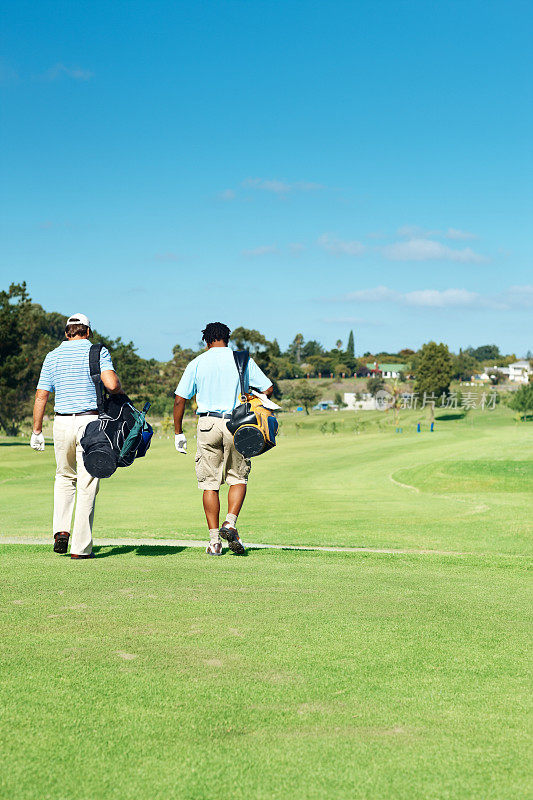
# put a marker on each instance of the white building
(366, 403)
(387, 371)
(520, 371)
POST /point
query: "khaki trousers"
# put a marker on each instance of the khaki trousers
(217, 460)
(71, 474)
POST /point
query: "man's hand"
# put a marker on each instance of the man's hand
(180, 440)
(37, 441)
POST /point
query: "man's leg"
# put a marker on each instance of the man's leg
(236, 496)
(211, 500)
(209, 459)
(228, 530)
(65, 480)
(236, 471)
(82, 537)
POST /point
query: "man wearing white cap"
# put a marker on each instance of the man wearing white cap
(65, 371)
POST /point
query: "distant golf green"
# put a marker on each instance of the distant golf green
(157, 672)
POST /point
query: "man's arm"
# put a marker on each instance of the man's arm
(258, 379)
(41, 399)
(179, 410)
(179, 439)
(37, 438)
(111, 381)
(185, 391)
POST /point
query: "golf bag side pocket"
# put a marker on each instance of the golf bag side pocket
(119, 435)
(99, 456)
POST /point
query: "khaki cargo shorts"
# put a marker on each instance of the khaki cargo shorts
(217, 461)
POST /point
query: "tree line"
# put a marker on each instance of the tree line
(28, 333)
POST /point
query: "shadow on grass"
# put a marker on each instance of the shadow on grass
(103, 551)
(15, 444)
(446, 417)
(228, 552)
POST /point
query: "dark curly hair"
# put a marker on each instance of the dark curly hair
(215, 332)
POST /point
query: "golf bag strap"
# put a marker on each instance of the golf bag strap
(94, 369)
(241, 358)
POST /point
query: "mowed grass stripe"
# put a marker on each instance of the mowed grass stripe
(279, 675)
(315, 489)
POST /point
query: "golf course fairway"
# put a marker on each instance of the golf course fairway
(153, 671)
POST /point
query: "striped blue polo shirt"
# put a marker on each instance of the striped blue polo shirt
(65, 371)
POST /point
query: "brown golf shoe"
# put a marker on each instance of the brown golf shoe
(61, 542)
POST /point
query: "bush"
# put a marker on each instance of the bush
(339, 401)
(373, 385)
(522, 401)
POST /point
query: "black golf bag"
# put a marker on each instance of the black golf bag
(253, 426)
(119, 435)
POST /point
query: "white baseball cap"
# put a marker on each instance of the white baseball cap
(79, 319)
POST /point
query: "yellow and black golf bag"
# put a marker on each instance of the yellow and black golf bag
(253, 426)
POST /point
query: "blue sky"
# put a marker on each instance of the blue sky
(288, 166)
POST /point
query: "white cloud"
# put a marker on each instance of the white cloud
(435, 298)
(280, 187)
(458, 235)
(416, 232)
(340, 247)
(423, 298)
(518, 296)
(296, 248)
(260, 251)
(513, 298)
(227, 195)
(429, 250)
(76, 73)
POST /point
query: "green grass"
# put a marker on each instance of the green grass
(327, 488)
(156, 672)
(472, 476)
(152, 673)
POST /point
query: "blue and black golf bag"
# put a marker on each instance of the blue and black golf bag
(119, 435)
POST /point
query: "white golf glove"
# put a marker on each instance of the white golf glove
(180, 441)
(37, 441)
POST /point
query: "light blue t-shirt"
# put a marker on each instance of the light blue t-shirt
(213, 378)
(65, 371)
